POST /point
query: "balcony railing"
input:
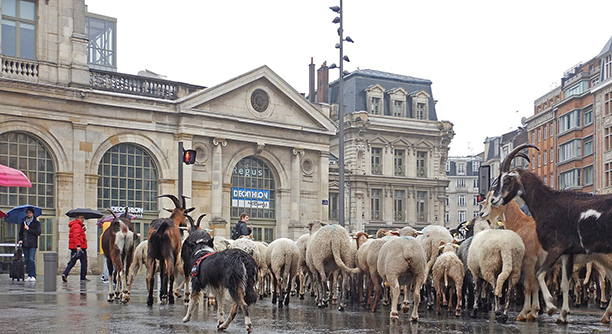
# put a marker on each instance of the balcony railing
(333, 214)
(376, 215)
(17, 68)
(377, 169)
(421, 217)
(421, 172)
(139, 85)
(399, 171)
(399, 216)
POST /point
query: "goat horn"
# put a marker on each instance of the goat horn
(522, 155)
(200, 219)
(175, 200)
(113, 213)
(125, 212)
(190, 220)
(505, 165)
(185, 201)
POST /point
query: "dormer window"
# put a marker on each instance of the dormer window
(398, 108)
(420, 105)
(607, 67)
(376, 110)
(374, 99)
(18, 28)
(420, 111)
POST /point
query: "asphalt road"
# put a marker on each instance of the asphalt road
(82, 308)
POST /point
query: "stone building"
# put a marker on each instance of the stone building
(88, 136)
(395, 151)
(602, 106)
(462, 192)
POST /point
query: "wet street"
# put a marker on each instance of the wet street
(82, 308)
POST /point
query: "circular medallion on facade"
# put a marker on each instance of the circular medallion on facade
(260, 100)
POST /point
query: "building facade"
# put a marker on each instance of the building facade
(88, 136)
(602, 106)
(462, 192)
(395, 151)
(542, 133)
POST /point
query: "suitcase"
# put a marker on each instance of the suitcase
(17, 269)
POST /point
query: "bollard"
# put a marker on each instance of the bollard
(50, 261)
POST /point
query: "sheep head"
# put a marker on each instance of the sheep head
(508, 184)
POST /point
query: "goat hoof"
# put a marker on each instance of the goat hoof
(414, 319)
(603, 305)
(301, 296)
(551, 310)
(394, 316)
(249, 328)
(186, 318)
(405, 308)
(341, 307)
(149, 301)
(458, 313)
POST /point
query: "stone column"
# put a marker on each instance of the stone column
(216, 221)
(296, 181)
(412, 205)
(64, 203)
(91, 197)
(324, 177)
(387, 204)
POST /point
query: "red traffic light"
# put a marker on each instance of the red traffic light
(189, 157)
(480, 198)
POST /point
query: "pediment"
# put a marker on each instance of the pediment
(397, 90)
(260, 97)
(378, 139)
(401, 141)
(375, 88)
(420, 93)
(423, 144)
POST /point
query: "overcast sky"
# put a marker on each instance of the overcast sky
(488, 60)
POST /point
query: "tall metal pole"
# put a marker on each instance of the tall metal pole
(341, 125)
(180, 169)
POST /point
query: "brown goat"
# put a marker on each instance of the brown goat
(165, 245)
(118, 246)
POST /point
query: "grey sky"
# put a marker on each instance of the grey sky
(488, 60)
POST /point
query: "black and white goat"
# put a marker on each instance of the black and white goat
(232, 269)
(195, 235)
(567, 222)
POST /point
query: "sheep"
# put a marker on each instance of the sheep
(371, 259)
(402, 261)
(567, 222)
(448, 266)
(222, 243)
(430, 238)
(601, 283)
(302, 242)
(249, 246)
(516, 220)
(496, 256)
(473, 226)
(263, 272)
(328, 250)
(282, 260)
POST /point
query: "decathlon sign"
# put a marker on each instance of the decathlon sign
(134, 211)
(250, 198)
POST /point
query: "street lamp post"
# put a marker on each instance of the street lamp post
(342, 58)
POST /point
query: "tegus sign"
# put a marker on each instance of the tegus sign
(250, 198)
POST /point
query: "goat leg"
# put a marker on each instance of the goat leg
(192, 304)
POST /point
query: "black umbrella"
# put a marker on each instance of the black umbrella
(87, 213)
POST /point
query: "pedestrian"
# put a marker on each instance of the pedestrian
(77, 243)
(29, 231)
(241, 227)
(105, 273)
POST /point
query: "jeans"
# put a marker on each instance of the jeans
(30, 255)
(105, 270)
(74, 256)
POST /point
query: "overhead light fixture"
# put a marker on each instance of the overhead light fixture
(335, 9)
(337, 45)
(346, 58)
(336, 19)
(349, 39)
(332, 66)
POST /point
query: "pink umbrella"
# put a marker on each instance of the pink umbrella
(2, 214)
(10, 177)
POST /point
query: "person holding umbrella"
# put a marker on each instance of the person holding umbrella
(29, 230)
(77, 243)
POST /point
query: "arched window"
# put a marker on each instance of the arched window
(28, 154)
(128, 177)
(254, 192)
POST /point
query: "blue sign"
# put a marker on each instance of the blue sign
(250, 198)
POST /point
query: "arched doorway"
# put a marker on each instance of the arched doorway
(29, 154)
(128, 176)
(254, 192)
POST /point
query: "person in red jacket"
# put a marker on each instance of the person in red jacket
(77, 243)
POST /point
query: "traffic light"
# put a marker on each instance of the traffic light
(189, 157)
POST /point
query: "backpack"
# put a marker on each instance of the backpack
(235, 232)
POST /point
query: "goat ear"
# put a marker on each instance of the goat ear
(442, 243)
(513, 174)
(189, 244)
(419, 232)
(136, 236)
(211, 242)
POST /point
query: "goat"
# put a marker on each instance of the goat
(567, 222)
(195, 234)
(118, 246)
(164, 245)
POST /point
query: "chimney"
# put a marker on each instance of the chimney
(323, 83)
(311, 81)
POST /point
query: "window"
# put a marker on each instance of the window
(475, 200)
(461, 200)
(552, 157)
(476, 214)
(587, 175)
(550, 128)
(588, 117)
(552, 183)
(462, 215)
(608, 172)
(448, 165)
(539, 135)
(570, 150)
(101, 46)
(253, 191)
(545, 180)
(398, 108)
(569, 121)
(607, 101)
(577, 89)
(398, 205)
(375, 210)
(588, 146)
(461, 169)
(446, 216)
(607, 68)
(447, 200)
(539, 160)
(399, 163)
(375, 106)
(460, 183)
(421, 164)
(569, 179)
(545, 157)
(333, 206)
(376, 160)
(420, 111)
(421, 206)
(544, 132)
(475, 184)
(608, 138)
(475, 166)
(18, 28)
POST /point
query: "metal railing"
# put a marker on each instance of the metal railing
(400, 171)
(421, 172)
(376, 169)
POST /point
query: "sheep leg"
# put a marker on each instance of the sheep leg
(406, 303)
(289, 279)
(395, 291)
(377, 291)
(459, 289)
(192, 304)
(302, 278)
(603, 299)
(606, 316)
(344, 288)
(567, 265)
(275, 289)
(322, 280)
(368, 297)
(477, 302)
(416, 299)
(439, 301)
